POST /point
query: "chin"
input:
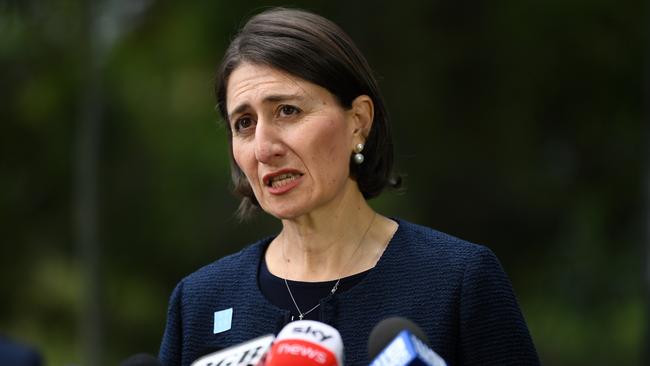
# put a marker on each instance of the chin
(284, 215)
(286, 212)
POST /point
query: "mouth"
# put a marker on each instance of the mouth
(281, 179)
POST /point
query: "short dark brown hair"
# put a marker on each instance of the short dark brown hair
(314, 49)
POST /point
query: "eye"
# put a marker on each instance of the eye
(288, 110)
(243, 124)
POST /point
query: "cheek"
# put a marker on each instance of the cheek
(331, 149)
(339, 143)
(241, 157)
(236, 155)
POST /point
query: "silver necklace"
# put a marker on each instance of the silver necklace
(301, 315)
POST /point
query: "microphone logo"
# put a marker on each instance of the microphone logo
(302, 349)
(314, 332)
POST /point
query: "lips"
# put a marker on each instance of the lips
(280, 179)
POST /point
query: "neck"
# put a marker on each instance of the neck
(326, 245)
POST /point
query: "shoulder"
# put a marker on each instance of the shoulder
(426, 257)
(223, 274)
(427, 244)
(469, 279)
(231, 264)
(445, 260)
(216, 286)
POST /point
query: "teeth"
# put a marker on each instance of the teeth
(282, 179)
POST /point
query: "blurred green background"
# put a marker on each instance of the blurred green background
(518, 125)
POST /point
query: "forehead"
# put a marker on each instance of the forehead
(251, 84)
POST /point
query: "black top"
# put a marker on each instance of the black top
(307, 294)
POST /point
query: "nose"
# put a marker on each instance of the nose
(268, 142)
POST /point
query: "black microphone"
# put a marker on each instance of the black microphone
(141, 359)
(399, 342)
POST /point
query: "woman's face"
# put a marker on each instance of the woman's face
(291, 139)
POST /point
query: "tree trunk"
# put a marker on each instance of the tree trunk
(86, 156)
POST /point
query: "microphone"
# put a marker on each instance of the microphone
(399, 342)
(249, 353)
(141, 359)
(306, 343)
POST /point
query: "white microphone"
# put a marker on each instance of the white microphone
(249, 353)
(306, 343)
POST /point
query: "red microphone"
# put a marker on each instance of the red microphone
(306, 343)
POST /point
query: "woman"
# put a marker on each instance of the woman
(310, 144)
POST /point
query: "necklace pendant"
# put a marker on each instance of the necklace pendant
(301, 316)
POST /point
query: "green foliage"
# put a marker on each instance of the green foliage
(517, 125)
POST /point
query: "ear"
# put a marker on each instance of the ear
(363, 113)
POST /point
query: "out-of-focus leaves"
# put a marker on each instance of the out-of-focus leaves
(516, 125)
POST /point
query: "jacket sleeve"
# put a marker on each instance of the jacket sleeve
(492, 329)
(171, 346)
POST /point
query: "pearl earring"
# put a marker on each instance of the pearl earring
(358, 156)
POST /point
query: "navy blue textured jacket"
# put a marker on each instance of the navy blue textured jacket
(455, 291)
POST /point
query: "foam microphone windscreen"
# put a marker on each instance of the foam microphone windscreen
(306, 343)
(399, 342)
(386, 330)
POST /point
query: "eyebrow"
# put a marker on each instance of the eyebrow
(274, 98)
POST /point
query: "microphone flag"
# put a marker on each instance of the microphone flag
(407, 349)
(245, 354)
